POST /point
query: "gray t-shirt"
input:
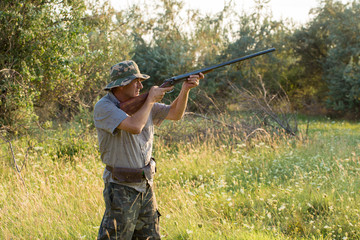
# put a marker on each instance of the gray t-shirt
(119, 148)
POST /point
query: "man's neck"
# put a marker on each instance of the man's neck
(119, 95)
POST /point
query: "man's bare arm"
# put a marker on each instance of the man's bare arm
(178, 106)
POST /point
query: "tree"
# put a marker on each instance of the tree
(45, 41)
(328, 49)
(341, 67)
(62, 50)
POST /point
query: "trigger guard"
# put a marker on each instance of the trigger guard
(170, 91)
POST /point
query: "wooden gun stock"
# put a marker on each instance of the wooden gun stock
(133, 105)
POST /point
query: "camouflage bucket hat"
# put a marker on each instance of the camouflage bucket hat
(123, 73)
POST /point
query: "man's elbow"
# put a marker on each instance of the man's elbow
(136, 129)
(175, 117)
(133, 129)
(179, 117)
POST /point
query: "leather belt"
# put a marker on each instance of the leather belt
(129, 175)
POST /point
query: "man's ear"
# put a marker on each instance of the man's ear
(116, 89)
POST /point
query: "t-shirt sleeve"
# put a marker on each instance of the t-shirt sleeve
(159, 113)
(107, 116)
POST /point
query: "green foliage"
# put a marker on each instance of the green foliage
(16, 102)
(61, 49)
(43, 46)
(345, 89)
(341, 68)
(329, 53)
(67, 145)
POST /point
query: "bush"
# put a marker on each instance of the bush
(16, 103)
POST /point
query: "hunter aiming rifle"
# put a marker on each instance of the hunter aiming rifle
(134, 104)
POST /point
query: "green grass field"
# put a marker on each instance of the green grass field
(210, 185)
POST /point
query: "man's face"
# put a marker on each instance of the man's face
(132, 89)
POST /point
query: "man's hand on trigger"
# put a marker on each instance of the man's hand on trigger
(156, 93)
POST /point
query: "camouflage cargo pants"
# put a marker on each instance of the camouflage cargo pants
(129, 214)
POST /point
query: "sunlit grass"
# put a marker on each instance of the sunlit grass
(210, 185)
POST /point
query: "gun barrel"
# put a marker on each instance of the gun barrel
(179, 78)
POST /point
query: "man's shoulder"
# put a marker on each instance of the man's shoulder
(107, 115)
(105, 100)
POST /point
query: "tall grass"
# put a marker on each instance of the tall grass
(210, 184)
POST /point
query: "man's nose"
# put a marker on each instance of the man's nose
(140, 85)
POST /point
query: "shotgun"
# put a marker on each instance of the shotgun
(132, 105)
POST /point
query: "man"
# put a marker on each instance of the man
(125, 143)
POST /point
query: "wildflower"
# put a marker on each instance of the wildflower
(282, 207)
(241, 145)
(190, 193)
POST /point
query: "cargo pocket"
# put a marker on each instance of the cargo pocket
(148, 227)
(114, 209)
(109, 217)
